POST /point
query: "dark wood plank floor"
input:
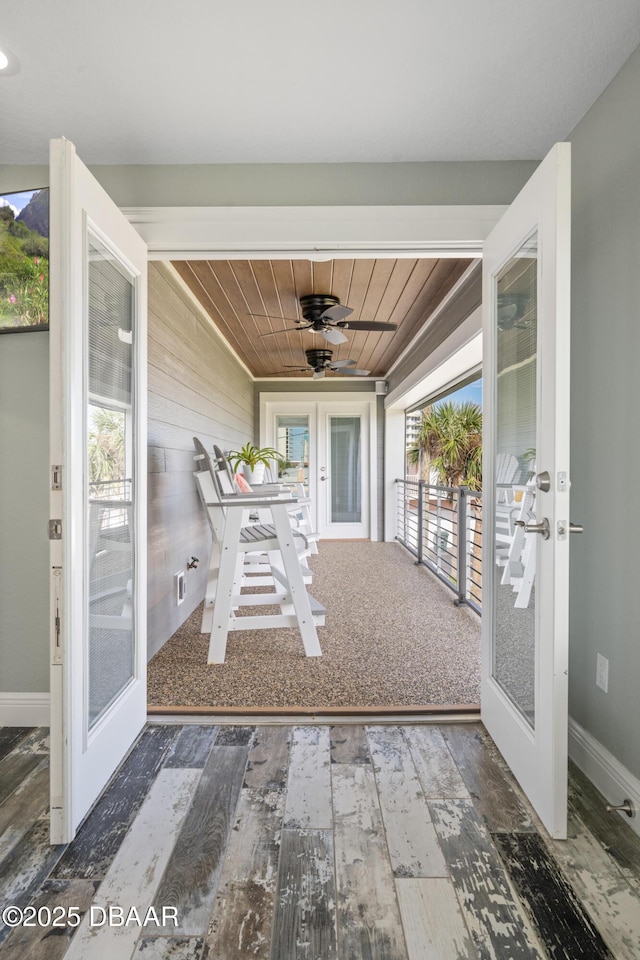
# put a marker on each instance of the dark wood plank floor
(389, 842)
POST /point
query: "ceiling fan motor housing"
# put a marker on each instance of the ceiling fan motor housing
(318, 358)
(313, 305)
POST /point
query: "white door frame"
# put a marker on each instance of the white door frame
(314, 404)
(313, 233)
(320, 233)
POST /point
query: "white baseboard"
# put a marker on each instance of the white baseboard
(613, 780)
(24, 709)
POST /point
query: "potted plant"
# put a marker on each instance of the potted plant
(254, 461)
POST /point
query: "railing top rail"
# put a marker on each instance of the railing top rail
(440, 487)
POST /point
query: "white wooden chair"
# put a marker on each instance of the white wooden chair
(301, 513)
(507, 469)
(520, 562)
(506, 505)
(255, 564)
(232, 541)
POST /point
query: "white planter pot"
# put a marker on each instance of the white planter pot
(253, 476)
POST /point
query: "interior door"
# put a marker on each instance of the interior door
(526, 290)
(343, 471)
(98, 481)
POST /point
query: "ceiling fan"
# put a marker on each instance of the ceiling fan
(326, 315)
(320, 361)
(512, 308)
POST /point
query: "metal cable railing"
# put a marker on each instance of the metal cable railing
(442, 527)
(110, 503)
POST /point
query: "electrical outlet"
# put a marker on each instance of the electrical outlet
(181, 587)
(602, 673)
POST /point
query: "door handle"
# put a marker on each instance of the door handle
(542, 528)
(325, 478)
(564, 529)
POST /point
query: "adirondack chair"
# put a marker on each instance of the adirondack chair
(232, 541)
(507, 469)
(520, 562)
(506, 506)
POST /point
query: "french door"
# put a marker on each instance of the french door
(98, 488)
(343, 471)
(326, 445)
(526, 291)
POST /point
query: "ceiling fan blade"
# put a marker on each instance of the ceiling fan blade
(271, 316)
(289, 367)
(370, 325)
(318, 375)
(339, 312)
(343, 363)
(351, 373)
(333, 336)
(272, 333)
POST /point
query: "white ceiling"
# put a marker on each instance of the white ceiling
(256, 81)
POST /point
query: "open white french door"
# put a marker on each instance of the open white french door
(526, 298)
(98, 488)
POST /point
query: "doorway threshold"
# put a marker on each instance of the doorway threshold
(424, 713)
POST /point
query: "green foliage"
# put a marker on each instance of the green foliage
(106, 446)
(18, 229)
(24, 292)
(252, 455)
(36, 246)
(24, 265)
(450, 439)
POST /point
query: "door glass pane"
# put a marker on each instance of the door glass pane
(292, 441)
(110, 484)
(516, 409)
(345, 469)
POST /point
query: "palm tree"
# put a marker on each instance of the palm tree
(450, 443)
(106, 445)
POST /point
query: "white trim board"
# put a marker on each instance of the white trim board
(614, 781)
(24, 709)
(317, 233)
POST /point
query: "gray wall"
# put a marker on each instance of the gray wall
(196, 388)
(24, 511)
(306, 184)
(605, 400)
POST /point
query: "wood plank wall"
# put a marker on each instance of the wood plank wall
(196, 388)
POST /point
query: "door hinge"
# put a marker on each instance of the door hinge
(56, 476)
(55, 529)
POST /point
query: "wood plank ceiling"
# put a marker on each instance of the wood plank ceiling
(400, 291)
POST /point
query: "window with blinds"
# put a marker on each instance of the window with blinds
(110, 482)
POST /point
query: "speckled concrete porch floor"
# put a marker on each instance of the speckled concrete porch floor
(393, 637)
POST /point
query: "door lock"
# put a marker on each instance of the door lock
(542, 528)
(543, 481)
